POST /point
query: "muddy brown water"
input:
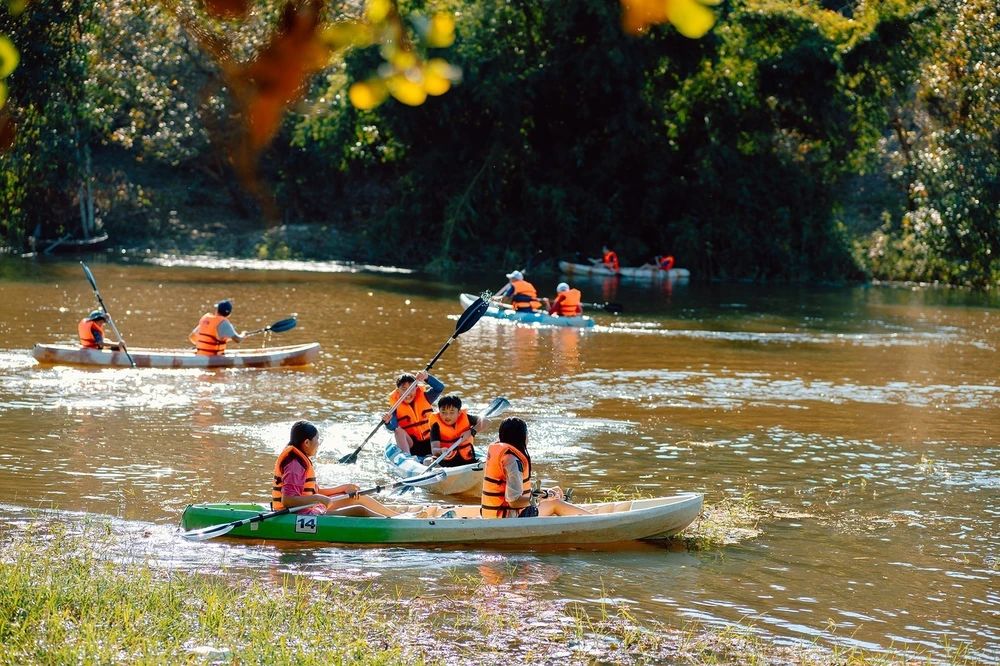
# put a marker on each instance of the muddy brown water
(864, 420)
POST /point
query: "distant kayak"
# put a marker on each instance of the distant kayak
(272, 357)
(583, 270)
(612, 522)
(541, 318)
(464, 479)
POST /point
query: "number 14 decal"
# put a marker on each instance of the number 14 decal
(305, 524)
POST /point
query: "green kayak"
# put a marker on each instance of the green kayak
(611, 522)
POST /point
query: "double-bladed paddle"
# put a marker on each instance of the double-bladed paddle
(276, 327)
(613, 308)
(121, 340)
(496, 408)
(472, 314)
(219, 530)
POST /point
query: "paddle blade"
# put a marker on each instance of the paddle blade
(283, 325)
(90, 276)
(613, 308)
(206, 533)
(472, 314)
(425, 479)
(497, 407)
(350, 458)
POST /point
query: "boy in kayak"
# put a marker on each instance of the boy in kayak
(410, 422)
(214, 331)
(566, 303)
(507, 479)
(522, 294)
(91, 330)
(295, 479)
(664, 263)
(452, 425)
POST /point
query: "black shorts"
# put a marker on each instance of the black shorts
(421, 448)
(456, 462)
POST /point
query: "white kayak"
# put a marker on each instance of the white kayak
(583, 270)
(531, 317)
(459, 480)
(272, 357)
(611, 522)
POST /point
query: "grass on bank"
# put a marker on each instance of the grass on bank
(70, 593)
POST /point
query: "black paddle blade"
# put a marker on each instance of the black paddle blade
(472, 314)
(613, 308)
(350, 458)
(90, 276)
(283, 325)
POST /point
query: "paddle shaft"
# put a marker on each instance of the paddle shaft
(121, 340)
(286, 325)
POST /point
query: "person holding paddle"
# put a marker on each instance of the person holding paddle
(295, 479)
(214, 331)
(91, 330)
(453, 424)
(522, 294)
(566, 303)
(507, 479)
(410, 421)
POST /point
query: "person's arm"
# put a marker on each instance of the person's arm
(194, 336)
(515, 482)
(98, 337)
(435, 436)
(226, 330)
(555, 304)
(436, 389)
(392, 423)
(293, 480)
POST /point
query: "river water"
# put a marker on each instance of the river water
(864, 420)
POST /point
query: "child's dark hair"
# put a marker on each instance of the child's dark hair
(404, 379)
(301, 431)
(514, 431)
(450, 400)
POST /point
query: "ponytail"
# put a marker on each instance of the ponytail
(514, 431)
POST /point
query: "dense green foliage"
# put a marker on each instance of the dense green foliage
(791, 142)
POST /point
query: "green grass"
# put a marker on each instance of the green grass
(80, 593)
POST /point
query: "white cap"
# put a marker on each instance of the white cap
(516, 275)
(562, 286)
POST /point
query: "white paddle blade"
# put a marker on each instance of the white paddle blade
(497, 407)
(207, 533)
(425, 479)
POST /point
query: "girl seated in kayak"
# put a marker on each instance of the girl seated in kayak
(295, 479)
(453, 426)
(507, 479)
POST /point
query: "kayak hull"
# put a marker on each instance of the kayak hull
(273, 357)
(467, 479)
(539, 318)
(583, 270)
(612, 522)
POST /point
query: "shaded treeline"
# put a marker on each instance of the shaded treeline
(791, 142)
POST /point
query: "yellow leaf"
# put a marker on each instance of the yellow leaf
(442, 31)
(3, 94)
(691, 18)
(17, 6)
(346, 33)
(8, 57)
(406, 91)
(436, 85)
(403, 59)
(378, 10)
(368, 94)
(442, 68)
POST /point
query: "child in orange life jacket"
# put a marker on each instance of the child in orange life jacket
(295, 479)
(91, 330)
(566, 303)
(214, 331)
(507, 479)
(453, 424)
(410, 422)
(522, 294)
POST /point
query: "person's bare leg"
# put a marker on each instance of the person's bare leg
(558, 507)
(364, 501)
(403, 440)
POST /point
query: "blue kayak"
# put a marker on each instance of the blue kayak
(535, 317)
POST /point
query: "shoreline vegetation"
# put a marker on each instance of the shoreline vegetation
(83, 589)
(814, 141)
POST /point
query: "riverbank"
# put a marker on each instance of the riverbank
(93, 589)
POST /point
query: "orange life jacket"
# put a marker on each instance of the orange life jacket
(86, 330)
(494, 501)
(525, 297)
(568, 302)
(208, 341)
(611, 260)
(666, 263)
(450, 434)
(289, 454)
(414, 417)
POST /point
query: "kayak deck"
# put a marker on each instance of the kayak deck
(272, 357)
(466, 479)
(611, 522)
(531, 317)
